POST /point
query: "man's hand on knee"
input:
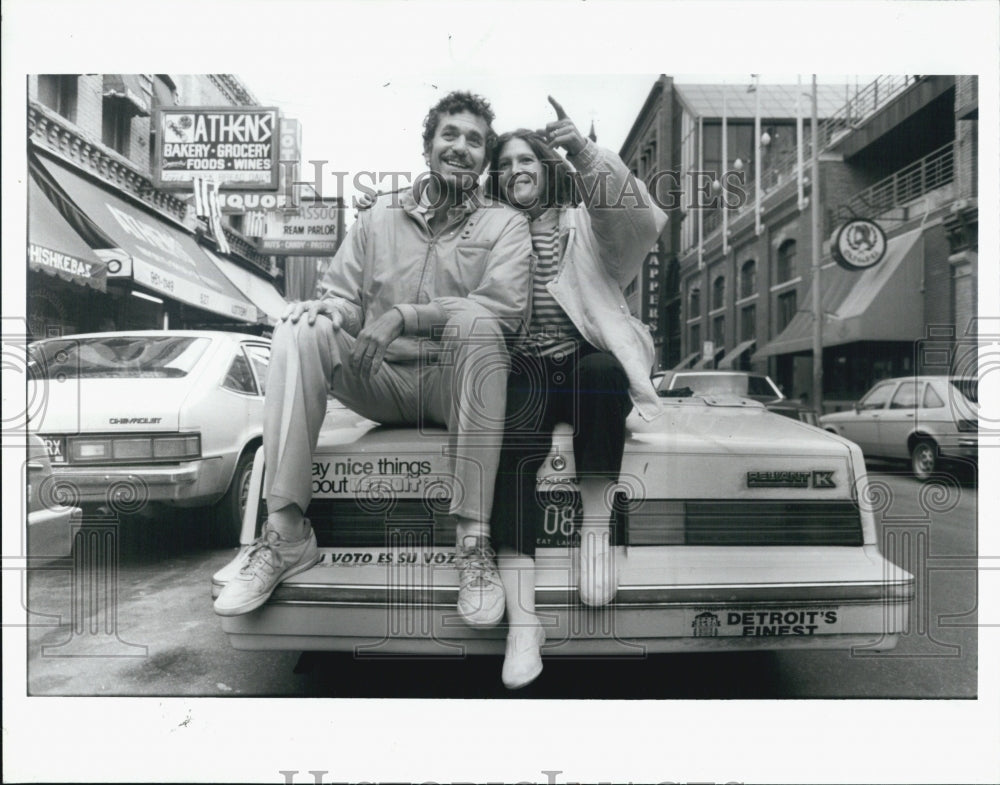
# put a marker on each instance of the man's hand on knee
(373, 340)
(312, 309)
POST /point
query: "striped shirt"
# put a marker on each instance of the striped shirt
(550, 330)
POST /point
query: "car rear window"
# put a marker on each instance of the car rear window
(710, 384)
(116, 357)
(759, 385)
(968, 387)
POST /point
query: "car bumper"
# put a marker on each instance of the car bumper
(669, 599)
(128, 487)
(966, 447)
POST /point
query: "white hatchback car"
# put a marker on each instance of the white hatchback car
(163, 416)
(922, 419)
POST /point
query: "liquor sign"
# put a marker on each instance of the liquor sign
(858, 244)
(238, 202)
(312, 229)
(289, 157)
(235, 146)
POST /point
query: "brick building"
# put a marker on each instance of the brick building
(676, 135)
(900, 151)
(90, 148)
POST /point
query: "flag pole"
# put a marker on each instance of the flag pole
(698, 207)
(817, 302)
(756, 158)
(798, 143)
(725, 169)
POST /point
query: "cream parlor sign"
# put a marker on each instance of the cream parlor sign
(236, 146)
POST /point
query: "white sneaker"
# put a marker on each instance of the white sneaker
(522, 662)
(480, 591)
(267, 563)
(225, 574)
(598, 573)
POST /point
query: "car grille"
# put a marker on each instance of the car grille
(408, 523)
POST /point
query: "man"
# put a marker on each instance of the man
(441, 262)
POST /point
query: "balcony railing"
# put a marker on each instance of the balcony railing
(932, 171)
(864, 104)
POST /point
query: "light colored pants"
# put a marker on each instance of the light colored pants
(462, 386)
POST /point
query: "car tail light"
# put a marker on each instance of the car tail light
(134, 448)
(177, 447)
(90, 449)
(968, 426)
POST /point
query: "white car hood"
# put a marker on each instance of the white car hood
(106, 405)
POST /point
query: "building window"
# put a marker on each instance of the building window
(695, 338)
(748, 278)
(58, 92)
(718, 292)
(786, 308)
(719, 332)
(116, 124)
(748, 323)
(786, 262)
(694, 303)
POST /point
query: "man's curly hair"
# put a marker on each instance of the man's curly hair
(460, 101)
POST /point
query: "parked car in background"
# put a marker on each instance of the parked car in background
(172, 417)
(50, 521)
(922, 419)
(756, 386)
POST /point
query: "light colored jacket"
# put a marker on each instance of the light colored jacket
(604, 244)
(480, 260)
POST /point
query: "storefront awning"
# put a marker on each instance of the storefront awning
(735, 354)
(55, 248)
(260, 292)
(882, 303)
(686, 362)
(164, 258)
(127, 88)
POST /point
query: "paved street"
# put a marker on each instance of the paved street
(169, 642)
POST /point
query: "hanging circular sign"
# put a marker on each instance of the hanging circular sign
(858, 244)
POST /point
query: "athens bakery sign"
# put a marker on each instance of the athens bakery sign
(236, 146)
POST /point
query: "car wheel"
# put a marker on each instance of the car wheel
(228, 519)
(923, 459)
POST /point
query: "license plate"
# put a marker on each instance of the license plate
(561, 513)
(55, 446)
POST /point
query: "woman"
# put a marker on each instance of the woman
(583, 359)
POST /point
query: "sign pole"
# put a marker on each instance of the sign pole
(817, 300)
